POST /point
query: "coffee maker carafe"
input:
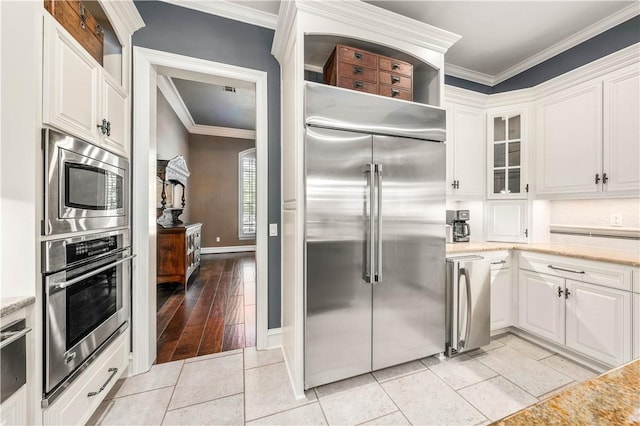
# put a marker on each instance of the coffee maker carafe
(458, 221)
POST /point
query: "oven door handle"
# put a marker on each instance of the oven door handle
(83, 277)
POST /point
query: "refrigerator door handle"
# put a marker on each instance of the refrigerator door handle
(369, 267)
(464, 273)
(378, 270)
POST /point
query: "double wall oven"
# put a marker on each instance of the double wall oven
(86, 256)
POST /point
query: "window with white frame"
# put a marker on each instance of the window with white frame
(247, 194)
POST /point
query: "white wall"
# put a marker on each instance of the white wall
(21, 40)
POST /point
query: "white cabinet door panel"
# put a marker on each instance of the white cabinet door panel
(500, 298)
(70, 81)
(540, 309)
(622, 130)
(507, 221)
(570, 141)
(115, 111)
(450, 177)
(468, 151)
(599, 322)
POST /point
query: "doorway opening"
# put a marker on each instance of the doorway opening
(223, 304)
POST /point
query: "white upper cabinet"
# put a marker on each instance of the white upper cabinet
(569, 142)
(507, 221)
(70, 83)
(81, 97)
(465, 152)
(621, 143)
(506, 141)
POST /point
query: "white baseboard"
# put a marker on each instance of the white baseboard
(274, 338)
(229, 249)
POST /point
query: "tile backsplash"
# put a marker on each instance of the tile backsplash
(596, 212)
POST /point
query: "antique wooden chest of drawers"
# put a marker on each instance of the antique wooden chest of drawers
(368, 72)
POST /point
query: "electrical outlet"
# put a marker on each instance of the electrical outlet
(273, 229)
(616, 219)
(217, 239)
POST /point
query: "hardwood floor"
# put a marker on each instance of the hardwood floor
(216, 314)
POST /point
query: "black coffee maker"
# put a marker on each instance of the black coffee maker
(458, 221)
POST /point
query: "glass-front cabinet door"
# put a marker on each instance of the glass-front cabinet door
(505, 155)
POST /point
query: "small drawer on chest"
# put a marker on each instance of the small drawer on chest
(359, 85)
(357, 72)
(395, 67)
(395, 92)
(353, 56)
(395, 80)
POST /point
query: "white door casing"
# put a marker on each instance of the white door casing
(147, 64)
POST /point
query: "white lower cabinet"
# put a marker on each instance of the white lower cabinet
(541, 305)
(500, 298)
(593, 319)
(598, 321)
(13, 411)
(78, 402)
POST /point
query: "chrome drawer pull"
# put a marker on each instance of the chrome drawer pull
(499, 262)
(395, 79)
(357, 69)
(358, 55)
(395, 66)
(395, 92)
(113, 372)
(358, 84)
(565, 270)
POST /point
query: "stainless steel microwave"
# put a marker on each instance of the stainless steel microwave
(85, 187)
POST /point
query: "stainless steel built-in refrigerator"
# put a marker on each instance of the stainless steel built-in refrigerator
(375, 232)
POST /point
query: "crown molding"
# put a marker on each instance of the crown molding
(230, 10)
(467, 74)
(284, 30)
(572, 41)
(223, 132)
(124, 17)
(384, 22)
(170, 92)
(467, 97)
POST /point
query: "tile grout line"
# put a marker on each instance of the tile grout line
(283, 411)
(205, 402)
(166, 410)
(392, 401)
(264, 365)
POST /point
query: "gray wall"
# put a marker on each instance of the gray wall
(606, 43)
(173, 139)
(187, 32)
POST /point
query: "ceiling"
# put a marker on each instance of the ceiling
(499, 40)
(212, 105)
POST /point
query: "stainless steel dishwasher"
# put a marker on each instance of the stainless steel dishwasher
(13, 358)
(468, 303)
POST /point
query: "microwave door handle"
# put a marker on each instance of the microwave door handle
(83, 277)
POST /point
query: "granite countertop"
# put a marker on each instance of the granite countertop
(610, 399)
(9, 305)
(589, 253)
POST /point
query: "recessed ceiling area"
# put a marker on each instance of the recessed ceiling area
(218, 105)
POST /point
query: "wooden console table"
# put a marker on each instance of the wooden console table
(178, 252)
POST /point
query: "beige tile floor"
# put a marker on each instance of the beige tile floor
(252, 387)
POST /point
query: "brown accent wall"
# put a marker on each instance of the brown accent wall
(213, 188)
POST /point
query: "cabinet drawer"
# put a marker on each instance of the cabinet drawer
(395, 92)
(394, 66)
(359, 85)
(75, 405)
(600, 273)
(498, 259)
(357, 57)
(394, 80)
(357, 72)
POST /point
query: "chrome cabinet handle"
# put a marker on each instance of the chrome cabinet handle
(113, 372)
(379, 223)
(369, 272)
(565, 270)
(499, 262)
(463, 273)
(8, 337)
(83, 277)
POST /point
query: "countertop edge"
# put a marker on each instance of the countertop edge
(9, 305)
(578, 252)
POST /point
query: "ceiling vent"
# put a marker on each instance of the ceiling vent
(229, 89)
